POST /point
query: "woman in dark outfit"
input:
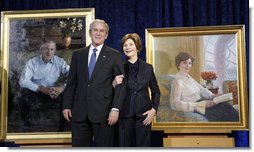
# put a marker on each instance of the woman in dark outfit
(138, 108)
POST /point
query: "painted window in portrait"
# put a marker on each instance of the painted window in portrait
(25, 35)
(201, 75)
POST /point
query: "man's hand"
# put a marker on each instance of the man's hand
(44, 90)
(149, 118)
(113, 117)
(55, 91)
(67, 114)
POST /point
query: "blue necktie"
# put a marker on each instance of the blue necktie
(92, 62)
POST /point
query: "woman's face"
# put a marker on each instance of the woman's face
(130, 49)
(185, 66)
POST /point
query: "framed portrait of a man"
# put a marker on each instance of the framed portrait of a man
(22, 39)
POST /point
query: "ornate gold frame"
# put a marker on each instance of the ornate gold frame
(6, 17)
(153, 35)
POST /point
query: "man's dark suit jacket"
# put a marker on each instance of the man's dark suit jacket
(95, 97)
(137, 99)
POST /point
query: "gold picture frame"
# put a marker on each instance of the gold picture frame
(31, 27)
(208, 44)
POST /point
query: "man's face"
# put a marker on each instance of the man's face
(67, 41)
(98, 34)
(48, 51)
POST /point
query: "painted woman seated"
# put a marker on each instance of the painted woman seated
(188, 96)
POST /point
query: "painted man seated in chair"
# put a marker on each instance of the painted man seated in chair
(41, 95)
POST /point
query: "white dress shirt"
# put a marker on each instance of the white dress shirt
(91, 52)
(38, 73)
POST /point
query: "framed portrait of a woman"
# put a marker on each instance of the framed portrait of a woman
(194, 66)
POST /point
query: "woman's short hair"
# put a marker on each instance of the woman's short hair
(135, 37)
(182, 56)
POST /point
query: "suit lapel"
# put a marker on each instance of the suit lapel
(84, 60)
(100, 62)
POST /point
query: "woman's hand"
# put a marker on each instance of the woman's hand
(210, 104)
(118, 80)
(150, 114)
(216, 95)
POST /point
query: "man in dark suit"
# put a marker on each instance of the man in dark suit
(90, 102)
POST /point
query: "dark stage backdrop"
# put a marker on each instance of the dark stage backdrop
(128, 16)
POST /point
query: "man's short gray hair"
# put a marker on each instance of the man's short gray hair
(46, 41)
(99, 21)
